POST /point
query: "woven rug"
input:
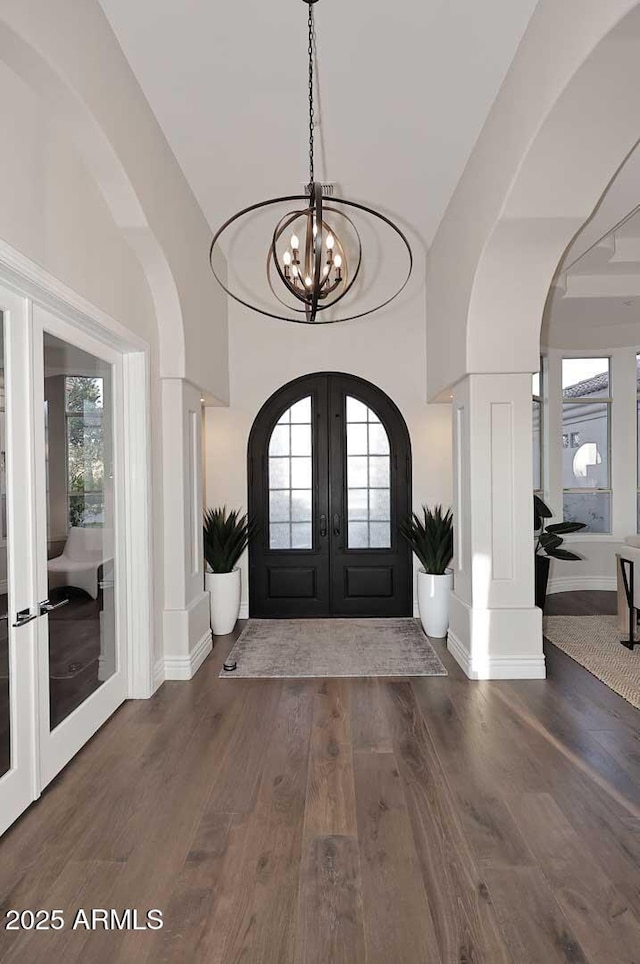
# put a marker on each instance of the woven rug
(273, 648)
(594, 642)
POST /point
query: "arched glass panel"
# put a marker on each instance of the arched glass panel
(368, 479)
(291, 479)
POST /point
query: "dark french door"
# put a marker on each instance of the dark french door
(329, 482)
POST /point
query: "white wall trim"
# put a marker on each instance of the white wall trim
(496, 667)
(158, 674)
(244, 609)
(31, 279)
(185, 667)
(577, 583)
(138, 531)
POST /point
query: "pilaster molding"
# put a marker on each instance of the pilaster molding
(185, 667)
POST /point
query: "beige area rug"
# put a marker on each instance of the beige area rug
(594, 642)
(274, 648)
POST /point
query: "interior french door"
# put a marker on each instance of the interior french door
(81, 665)
(62, 664)
(329, 483)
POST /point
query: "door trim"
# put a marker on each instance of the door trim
(37, 286)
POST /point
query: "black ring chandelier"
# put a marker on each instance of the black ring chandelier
(307, 260)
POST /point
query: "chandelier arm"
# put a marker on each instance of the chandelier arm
(299, 295)
(279, 230)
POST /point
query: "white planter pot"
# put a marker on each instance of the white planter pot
(433, 602)
(224, 600)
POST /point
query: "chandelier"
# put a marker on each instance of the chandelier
(310, 266)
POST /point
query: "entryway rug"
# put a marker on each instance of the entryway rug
(276, 648)
(594, 642)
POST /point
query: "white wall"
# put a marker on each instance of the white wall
(52, 211)
(68, 53)
(387, 349)
(551, 144)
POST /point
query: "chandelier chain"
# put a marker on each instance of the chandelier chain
(311, 110)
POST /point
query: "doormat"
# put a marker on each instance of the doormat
(289, 648)
(594, 642)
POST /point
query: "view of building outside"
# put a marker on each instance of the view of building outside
(586, 418)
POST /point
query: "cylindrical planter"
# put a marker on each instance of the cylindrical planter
(224, 600)
(433, 601)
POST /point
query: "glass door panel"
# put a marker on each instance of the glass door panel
(79, 656)
(80, 524)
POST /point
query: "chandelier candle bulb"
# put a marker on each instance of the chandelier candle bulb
(295, 243)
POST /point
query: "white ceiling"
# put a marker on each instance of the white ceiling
(596, 296)
(405, 88)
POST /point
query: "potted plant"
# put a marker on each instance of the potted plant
(549, 546)
(226, 536)
(431, 539)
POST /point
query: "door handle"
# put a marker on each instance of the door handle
(336, 525)
(23, 617)
(323, 525)
(47, 607)
(6, 616)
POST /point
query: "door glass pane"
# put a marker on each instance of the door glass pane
(368, 479)
(78, 392)
(5, 713)
(290, 479)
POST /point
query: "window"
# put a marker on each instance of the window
(290, 479)
(368, 479)
(84, 409)
(536, 391)
(586, 418)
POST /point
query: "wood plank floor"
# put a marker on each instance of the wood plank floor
(348, 821)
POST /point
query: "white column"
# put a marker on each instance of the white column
(187, 632)
(495, 629)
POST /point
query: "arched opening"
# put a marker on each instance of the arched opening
(329, 479)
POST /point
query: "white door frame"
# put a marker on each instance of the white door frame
(37, 286)
(20, 784)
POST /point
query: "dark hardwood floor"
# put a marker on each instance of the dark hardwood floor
(319, 821)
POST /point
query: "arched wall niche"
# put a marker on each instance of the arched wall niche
(563, 124)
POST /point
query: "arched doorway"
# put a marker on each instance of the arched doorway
(329, 469)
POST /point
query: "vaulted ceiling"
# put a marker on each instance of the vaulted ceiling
(405, 88)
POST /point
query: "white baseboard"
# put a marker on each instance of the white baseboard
(185, 667)
(577, 583)
(497, 667)
(158, 674)
(244, 609)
